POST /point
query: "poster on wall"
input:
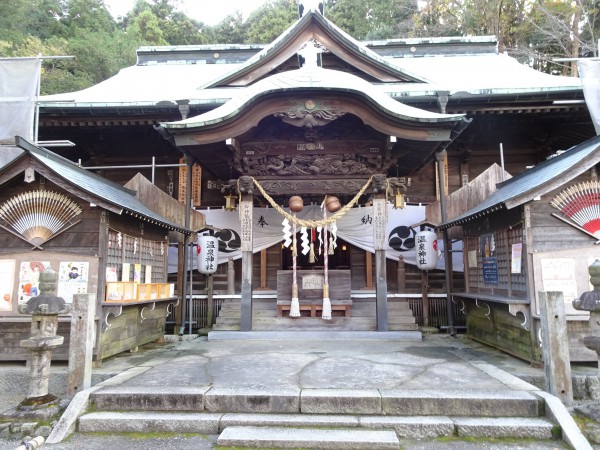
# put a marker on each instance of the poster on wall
(558, 275)
(125, 273)
(472, 259)
(29, 279)
(137, 273)
(516, 258)
(7, 283)
(487, 244)
(72, 279)
(111, 274)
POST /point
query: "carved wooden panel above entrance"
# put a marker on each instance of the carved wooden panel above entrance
(342, 146)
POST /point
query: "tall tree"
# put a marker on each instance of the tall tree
(231, 30)
(562, 29)
(89, 15)
(22, 18)
(270, 20)
(372, 19)
(175, 27)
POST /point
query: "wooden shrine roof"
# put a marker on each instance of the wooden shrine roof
(544, 177)
(109, 195)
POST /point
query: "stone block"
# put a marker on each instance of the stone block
(143, 422)
(340, 401)
(150, 398)
(417, 427)
(288, 420)
(314, 438)
(459, 403)
(504, 427)
(276, 400)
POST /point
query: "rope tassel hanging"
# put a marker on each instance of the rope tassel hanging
(326, 302)
(331, 204)
(296, 205)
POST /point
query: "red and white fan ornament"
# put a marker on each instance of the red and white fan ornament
(581, 204)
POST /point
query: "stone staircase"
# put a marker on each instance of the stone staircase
(362, 317)
(317, 418)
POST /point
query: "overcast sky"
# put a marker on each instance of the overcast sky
(210, 12)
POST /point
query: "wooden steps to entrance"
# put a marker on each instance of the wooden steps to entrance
(362, 317)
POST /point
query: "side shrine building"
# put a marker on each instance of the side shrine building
(376, 142)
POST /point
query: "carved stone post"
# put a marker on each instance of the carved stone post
(44, 309)
(555, 346)
(81, 345)
(379, 240)
(245, 210)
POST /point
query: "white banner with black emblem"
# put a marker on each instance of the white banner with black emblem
(355, 227)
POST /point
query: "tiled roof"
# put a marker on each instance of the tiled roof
(96, 185)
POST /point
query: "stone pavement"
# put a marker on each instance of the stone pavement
(436, 362)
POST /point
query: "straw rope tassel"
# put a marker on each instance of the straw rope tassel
(326, 302)
(295, 306)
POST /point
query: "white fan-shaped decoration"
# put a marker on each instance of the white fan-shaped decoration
(38, 215)
(581, 203)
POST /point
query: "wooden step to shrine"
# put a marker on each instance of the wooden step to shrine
(362, 317)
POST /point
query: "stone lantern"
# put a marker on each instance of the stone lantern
(44, 310)
(590, 301)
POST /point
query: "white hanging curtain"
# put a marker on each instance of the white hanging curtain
(18, 89)
(355, 227)
(589, 72)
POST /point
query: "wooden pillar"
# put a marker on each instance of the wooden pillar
(179, 288)
(263, 270)
(401, 275)
(425, 296)
(230, 277)
(210, 301)
(368, 270)
(442, 167)
(245, 209)
(379, 241)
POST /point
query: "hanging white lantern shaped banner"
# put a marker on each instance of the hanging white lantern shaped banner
(427, 250)
(208, 254)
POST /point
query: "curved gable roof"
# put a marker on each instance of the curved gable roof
(314, 26)
(323, 81)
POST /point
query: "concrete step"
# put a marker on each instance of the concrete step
(413, 427)
(319, 401)
(274, 437)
